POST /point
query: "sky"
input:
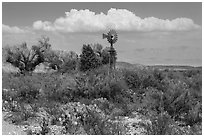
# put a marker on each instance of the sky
(148, 33)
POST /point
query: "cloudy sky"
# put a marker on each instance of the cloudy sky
(149, 33)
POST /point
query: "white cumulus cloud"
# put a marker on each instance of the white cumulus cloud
(14, 29)
(119, 19)
(46, 25)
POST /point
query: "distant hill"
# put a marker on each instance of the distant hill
(127, 65)
(174, 67)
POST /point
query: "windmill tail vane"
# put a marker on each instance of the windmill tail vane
(105, 36)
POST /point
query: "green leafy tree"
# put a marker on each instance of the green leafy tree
(88, 59)
(26, 59)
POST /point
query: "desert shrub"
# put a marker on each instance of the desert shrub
(160, 124)
(92, 120)
(163, 124)
(152, 101)
(94, 84)
(144, 85)
(179, 100)
(191, 73)
(58, 88)
(26, 59)
(104, 105)
(194, 82)
(144, 78)
(154, 78)
(194, 115)
(52, 110)
(23, 89)
(62, 61)
(133, 79)
(19, 112)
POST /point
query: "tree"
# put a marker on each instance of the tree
(88, 59)
(97, 48)
(62, 61)
(26, 59)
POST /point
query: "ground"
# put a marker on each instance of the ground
(10, 129)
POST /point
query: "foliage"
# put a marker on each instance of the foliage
(88, 59)
(94, 56)
(77, 118)
(97, 48)
(160, 124)
(26, 59)
(62, 61)
(90, 117)
(94, 84)
(103, 53)
(22, 89)
(18, 112)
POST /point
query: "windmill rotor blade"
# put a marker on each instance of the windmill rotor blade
(111, 36)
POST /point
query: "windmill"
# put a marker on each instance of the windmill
(111, 37)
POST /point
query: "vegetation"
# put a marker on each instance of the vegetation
(62, 61)
(92, 101)
(88, 59)
(26, 59)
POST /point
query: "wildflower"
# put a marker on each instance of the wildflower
(60, 119)
(74, 123)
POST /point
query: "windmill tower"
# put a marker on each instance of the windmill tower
(111, 37)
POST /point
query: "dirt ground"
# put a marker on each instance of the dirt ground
(10, 129)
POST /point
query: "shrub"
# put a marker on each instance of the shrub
(160, 124)
(19, 112)
(104, 105)
(95, 85)
(91, 118)
(62, 61)
(144, 78)
(152, 101)
(26, 59)
(58, 88)
(23, 89)
(133, 79)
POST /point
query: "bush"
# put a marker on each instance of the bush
(95, 85)
(19, 112)
(62, 61)
(58, 88)
(23, 89)
(160, 124)
(26, 59)
(91, 118)
(144, 78)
